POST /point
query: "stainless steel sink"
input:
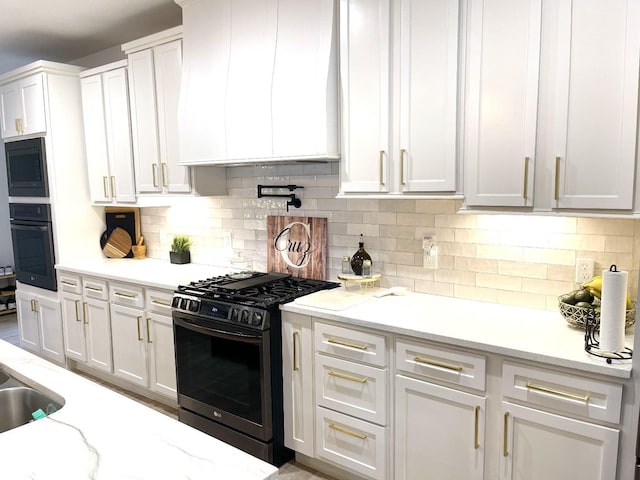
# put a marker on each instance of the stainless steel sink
(19, 401)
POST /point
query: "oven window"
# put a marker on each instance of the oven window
(32, 247)
(25, 167)
(222, 373)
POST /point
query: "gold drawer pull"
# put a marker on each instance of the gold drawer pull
(125, 295)
(345, 344)
(161, 303)
(77, 313)
(505, 442)
(347, 377)
(455, 368)
(70, 284)
(340, 429)
(570, 396)
(84, 313)
(476, 444)
(94, 289)
(148, 331)
(295, 351)
(138, 318)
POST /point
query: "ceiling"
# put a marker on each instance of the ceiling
(66, 30)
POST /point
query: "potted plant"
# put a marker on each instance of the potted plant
(180, 249)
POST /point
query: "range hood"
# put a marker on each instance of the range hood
(259, 82)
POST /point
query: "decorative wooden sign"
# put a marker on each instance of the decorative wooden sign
(297, 245)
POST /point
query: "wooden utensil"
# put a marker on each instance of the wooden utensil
(118, 244)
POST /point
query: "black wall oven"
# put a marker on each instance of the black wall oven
(228, 346)
(32, 237)
(27, 168)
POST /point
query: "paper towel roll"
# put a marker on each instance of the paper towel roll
(613, 310)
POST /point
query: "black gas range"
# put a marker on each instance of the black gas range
(228, 346)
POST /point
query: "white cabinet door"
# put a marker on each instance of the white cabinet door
(596, 103)
(129, 351)
(365, 73)
(75, 344)
(543, 445)
(95, 138)
(297, 374)
(503, 56)
(438, 430)
(162, 364)
(118, 129)
(168, 76)
(22, 107)
(96, 314)
(28, 321)
(144, 124)
(9, 108)
(50, 323)
(428, 95)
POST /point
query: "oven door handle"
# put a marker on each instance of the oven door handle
(218, 333)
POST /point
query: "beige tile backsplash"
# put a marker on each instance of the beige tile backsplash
(514, 259)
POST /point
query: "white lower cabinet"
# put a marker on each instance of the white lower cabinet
(98, 334)
(40, 324)
(161, 348)
(129, 351)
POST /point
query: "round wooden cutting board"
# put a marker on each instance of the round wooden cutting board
(118, 244)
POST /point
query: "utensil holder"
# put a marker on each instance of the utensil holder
(139, 251)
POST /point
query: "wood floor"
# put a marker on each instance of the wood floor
(290, 471)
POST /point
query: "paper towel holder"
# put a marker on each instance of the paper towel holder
(592, 345)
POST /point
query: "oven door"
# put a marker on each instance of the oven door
(33, 254)
(27, 168)
(223, 373)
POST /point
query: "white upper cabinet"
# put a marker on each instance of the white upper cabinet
(259, 82)
(503, 57)
(399, 81)
(596, 105)
(155, 71)
(105, 108)
(22, 107)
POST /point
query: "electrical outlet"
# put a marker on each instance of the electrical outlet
(584, 270)
(430, 259)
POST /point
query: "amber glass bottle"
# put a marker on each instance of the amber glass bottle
(360, 256)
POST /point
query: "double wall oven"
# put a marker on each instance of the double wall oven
(30, 213)
(229, 358)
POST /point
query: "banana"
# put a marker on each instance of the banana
(595, 287)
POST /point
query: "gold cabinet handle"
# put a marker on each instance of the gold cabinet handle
(556, 194)
(93, 289)
(340, 429)
(125, 295)
(105, 187)
(505, 446)
(381, 162)
(19, 125)
(347, 377)
(84, 313)
(455, 368)
(113, 187)
(70, 284)
(296, 367)
(148, 331)
(77, 313)
(164, 174)
(161, 303)
(525, 190)
(558, 393)
(402, 153)
(476, 444)
(345, 344)
(33, 306)
(138, 318)
(154, 174)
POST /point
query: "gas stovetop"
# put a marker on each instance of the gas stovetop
(244, 297)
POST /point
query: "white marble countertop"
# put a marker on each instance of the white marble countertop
(147, 271)
(100, 434)
(524, 333)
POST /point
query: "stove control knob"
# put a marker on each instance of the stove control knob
(234, 315)
(184, 302)
(175, 303)
(194, 306)
(245, 316)
(257, 319)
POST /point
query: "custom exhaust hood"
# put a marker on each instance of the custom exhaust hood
(259, 82)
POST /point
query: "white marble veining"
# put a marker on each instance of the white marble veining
(525, 333)
(99, 434)
(148, 271)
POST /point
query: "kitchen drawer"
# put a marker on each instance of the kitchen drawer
(350, 343)
(351, 443)
(351, 388)
(158, 301)
(566, 392)
(440, 362)
(125, 294)
(69, 282)
(95, 288)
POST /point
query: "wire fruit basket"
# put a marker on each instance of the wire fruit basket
(577, 316)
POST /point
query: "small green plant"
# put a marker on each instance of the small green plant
(181, 243)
